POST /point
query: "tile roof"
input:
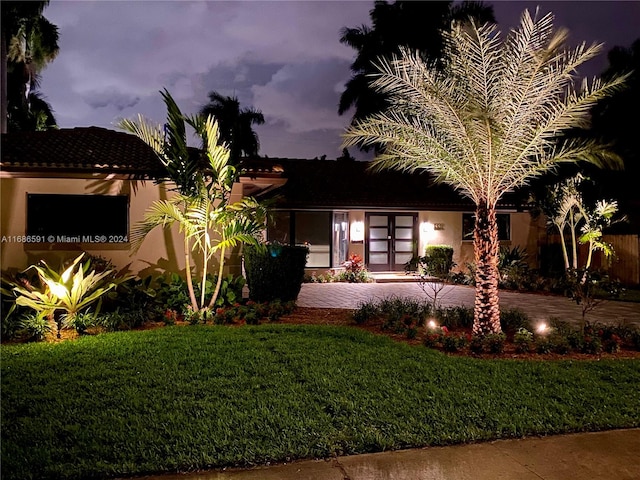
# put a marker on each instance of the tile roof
(318, 184)
(78, 150)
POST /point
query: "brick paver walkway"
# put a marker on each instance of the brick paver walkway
(538, 307)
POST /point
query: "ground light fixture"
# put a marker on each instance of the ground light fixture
(542, 328)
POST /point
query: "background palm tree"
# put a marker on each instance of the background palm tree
(416, 25)
(236, 125)
(486, 123)
(29, 43)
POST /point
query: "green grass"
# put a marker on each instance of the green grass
(182, 398)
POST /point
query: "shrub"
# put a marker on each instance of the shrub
(455, 317)
(523, 340)
(354, 270)
(365, 312)
(454, 342)
(35, 326)
(476, 345)
(81, 321)
(513, 319)
(275, 271)
(437, 260)
(559, 343)
(494, 342)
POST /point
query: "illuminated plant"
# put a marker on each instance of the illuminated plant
(209, 222)
(71, 291)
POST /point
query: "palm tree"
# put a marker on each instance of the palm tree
(201, 207)
(487, 123)
(416, 25)
(29, 43)
(236, 125)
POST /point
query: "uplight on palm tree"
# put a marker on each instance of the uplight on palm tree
(489, 121)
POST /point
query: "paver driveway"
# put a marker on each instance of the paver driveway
(538, 307)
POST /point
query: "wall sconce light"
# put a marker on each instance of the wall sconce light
(357, 232)
(427, 227)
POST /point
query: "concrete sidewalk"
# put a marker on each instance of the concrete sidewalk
(612, 455)
(538, 307)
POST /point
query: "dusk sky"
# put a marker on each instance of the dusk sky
(281, 57)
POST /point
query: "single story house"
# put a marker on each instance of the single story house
(82, 189)
(339, 207)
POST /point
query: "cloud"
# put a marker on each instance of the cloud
(111, 97)
(302, 97)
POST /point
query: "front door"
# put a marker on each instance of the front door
(391, 241)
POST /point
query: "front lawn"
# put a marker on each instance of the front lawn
(182, 398)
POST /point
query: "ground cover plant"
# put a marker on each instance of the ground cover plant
(182, 398)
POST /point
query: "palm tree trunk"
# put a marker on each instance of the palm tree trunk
(486, 248)
(216, 292)
(187, 268)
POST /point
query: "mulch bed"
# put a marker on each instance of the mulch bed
(344, 317)
(341, 316)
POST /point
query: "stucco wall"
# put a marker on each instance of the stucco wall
(161, 251)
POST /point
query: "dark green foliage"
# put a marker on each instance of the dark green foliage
(275, 271)
(365, 312)
(452, 342)
(455, 317)
(494, 342)
(34, 326)
(437, 260)
(523, 340)
(513, 319)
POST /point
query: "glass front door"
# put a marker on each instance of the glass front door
(390, 241)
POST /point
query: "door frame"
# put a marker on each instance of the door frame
(391, 266)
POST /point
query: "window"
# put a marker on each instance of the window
(340, 238)
(504, 226)
(312, 229)
(78, 218)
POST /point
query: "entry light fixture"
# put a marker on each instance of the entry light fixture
(357, 232)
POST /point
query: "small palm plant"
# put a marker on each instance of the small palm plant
(210, 223)
(68, 292)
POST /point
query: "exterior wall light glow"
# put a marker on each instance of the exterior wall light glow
(427, 227)
(357, 231)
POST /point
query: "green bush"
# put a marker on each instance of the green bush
(452, 342)
(35, 326)
(494, 342)
(437, 260)
(523, 340)
(365, 312)
(455, 317)
(275, 271)
(513, 319)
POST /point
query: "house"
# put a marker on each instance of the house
(82, 189)
(341, 207)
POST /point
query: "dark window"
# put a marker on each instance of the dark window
(504, 226)
(309, 228)
(78, 215)
(279, 228)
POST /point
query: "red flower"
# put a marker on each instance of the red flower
(445, 330)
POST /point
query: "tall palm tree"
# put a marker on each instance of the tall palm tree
(487, 123)
(236, 125)
(29, 43)
(416, 25)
